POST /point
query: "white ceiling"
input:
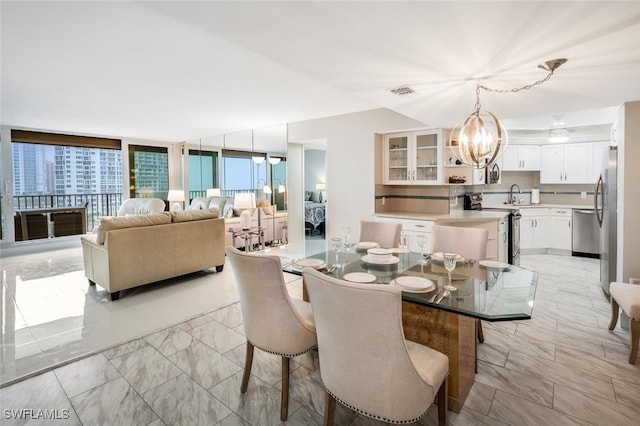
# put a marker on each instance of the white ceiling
(176, 70)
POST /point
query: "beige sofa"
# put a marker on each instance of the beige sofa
(132, 251)
(263, 216)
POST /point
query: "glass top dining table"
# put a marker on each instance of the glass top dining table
(487, 293)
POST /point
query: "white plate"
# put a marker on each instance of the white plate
(415, 284)
(312, 263)
(366, 245)
(391, 261)
(494, 264)
(399, 250)
(440, 258)
(359, 277)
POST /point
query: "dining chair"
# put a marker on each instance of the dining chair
(365, 362)
(273, 321)
(627, 297)
(470, 243)
(386, 234)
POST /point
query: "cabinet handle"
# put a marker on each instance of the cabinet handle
(560, 176)
(565, 177)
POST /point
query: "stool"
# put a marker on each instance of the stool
(627, 297)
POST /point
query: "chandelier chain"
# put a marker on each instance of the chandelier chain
(517, 89)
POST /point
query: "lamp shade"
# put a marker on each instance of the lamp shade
(244, 200)
(281, 188)
(213, 192)
(267, 189)
(320, 187)
(274, 160)
(175, 195)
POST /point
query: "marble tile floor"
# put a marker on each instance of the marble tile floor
(561, 367)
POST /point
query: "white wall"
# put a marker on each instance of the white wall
(350, 163)
(315, 161)
(628, 200)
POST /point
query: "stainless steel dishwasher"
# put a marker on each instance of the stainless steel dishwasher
(585, 237)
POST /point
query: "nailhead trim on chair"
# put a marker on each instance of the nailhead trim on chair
(285, 355)
(357, 410)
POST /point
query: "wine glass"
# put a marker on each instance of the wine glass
(346, 233)
(421, 240)
(336, 243)
(450, 265)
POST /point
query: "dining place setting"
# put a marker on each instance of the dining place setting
(447, 286)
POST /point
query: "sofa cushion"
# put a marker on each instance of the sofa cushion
(219, 202)
(131, 222)
(190, 215)
(141, 206)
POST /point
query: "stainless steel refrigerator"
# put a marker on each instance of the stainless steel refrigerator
(606, 201)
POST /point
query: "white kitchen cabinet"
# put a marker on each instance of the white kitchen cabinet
(560, 227)
(534, 228)
(521, 158)
(566, 163)
(413, 158)
(599, 151)
(410, 231)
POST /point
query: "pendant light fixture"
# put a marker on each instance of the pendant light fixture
(558, 133)
(480, 139)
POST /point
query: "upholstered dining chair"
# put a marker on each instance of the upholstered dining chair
(365, 361)
(470, 243)
(627, 297)
(273, 321)
(386, 234)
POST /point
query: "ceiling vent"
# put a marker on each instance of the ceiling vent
(404, 90)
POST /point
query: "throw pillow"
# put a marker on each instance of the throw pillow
(307, 195)
(218, 203)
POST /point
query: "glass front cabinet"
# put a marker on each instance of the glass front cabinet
(413, 158)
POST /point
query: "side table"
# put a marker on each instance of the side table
(248, 235)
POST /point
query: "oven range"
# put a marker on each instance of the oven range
(473, 201)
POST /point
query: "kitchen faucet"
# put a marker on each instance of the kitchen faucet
(512, 198)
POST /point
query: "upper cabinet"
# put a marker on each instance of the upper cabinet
(413, 158)
(521, 158)
(570, 163)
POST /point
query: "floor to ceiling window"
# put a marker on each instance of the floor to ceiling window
(54, 171)
(203, 172)
(148, 172)
(242, 174)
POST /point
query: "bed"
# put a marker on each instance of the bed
(314, 215)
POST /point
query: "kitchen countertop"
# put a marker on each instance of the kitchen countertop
(454, 216)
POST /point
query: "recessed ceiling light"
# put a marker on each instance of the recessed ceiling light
(404, 90)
